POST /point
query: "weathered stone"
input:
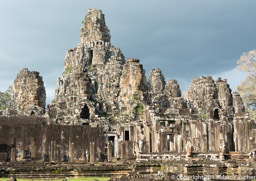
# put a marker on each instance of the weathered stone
(90, 82)
(92, 152)
(94, 29)
(28, 94)
(238, 103)
(156, 83)
(133, 84)
(110, 107)
(172, 89)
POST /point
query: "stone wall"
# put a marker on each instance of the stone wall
(105, 93)
(133, 84)
(33, 139)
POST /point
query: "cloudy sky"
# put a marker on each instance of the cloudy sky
(185, 38)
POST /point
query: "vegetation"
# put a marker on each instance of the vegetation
(133, 98)
(203, 116)
(91, 66)
(68, 69)
(139, 109)
(247, 88)
(5, 98)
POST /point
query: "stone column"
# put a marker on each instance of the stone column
(13, 154)
(33, 148)
(92, 152)
(122, 151)
(171, 144)
(188, 150)
(110, 151)
(52, 153)
(71, 151)
(126, 150)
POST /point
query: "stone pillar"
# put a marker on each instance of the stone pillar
(92, 152)
(52, 153)
(110, 151)
(71, 151)
(33, 148)
(189, 150)
(131, 133)
(13, 154)
(179, 143)
(171, 144)
(122, 151)
(126, 150)
(222, 152)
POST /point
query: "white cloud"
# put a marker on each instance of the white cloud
(233, 76)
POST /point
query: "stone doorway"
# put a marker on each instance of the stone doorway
(216, 114)
(150, 142)
(5, 151)
(85, 113)
(90, 58)
(126, 136)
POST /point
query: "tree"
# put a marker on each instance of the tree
(247, 88)
(5, 98)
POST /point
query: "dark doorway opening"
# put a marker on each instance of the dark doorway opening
(150, 137)
(5, 151)
(126, 136)
(32, 113)
(216, 114)
(90, 57)
(27, 154)
(85, 113)
(111, 138)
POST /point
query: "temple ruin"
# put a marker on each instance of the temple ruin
(104, 103)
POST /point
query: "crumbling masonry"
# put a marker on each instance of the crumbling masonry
(100, 93)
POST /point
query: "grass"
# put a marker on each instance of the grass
(69, 179)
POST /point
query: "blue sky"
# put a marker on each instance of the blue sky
(186, 39)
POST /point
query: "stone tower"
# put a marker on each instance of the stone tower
(90, 82)
(28, 94)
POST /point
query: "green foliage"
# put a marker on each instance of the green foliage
(85, 20)
(68, 69)
(91, 66)
(139, 109)
(133, 99)
(203, 116)
(5, 98)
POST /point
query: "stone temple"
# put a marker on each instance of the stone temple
(105, 107)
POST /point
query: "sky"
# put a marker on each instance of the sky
(184, 38)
